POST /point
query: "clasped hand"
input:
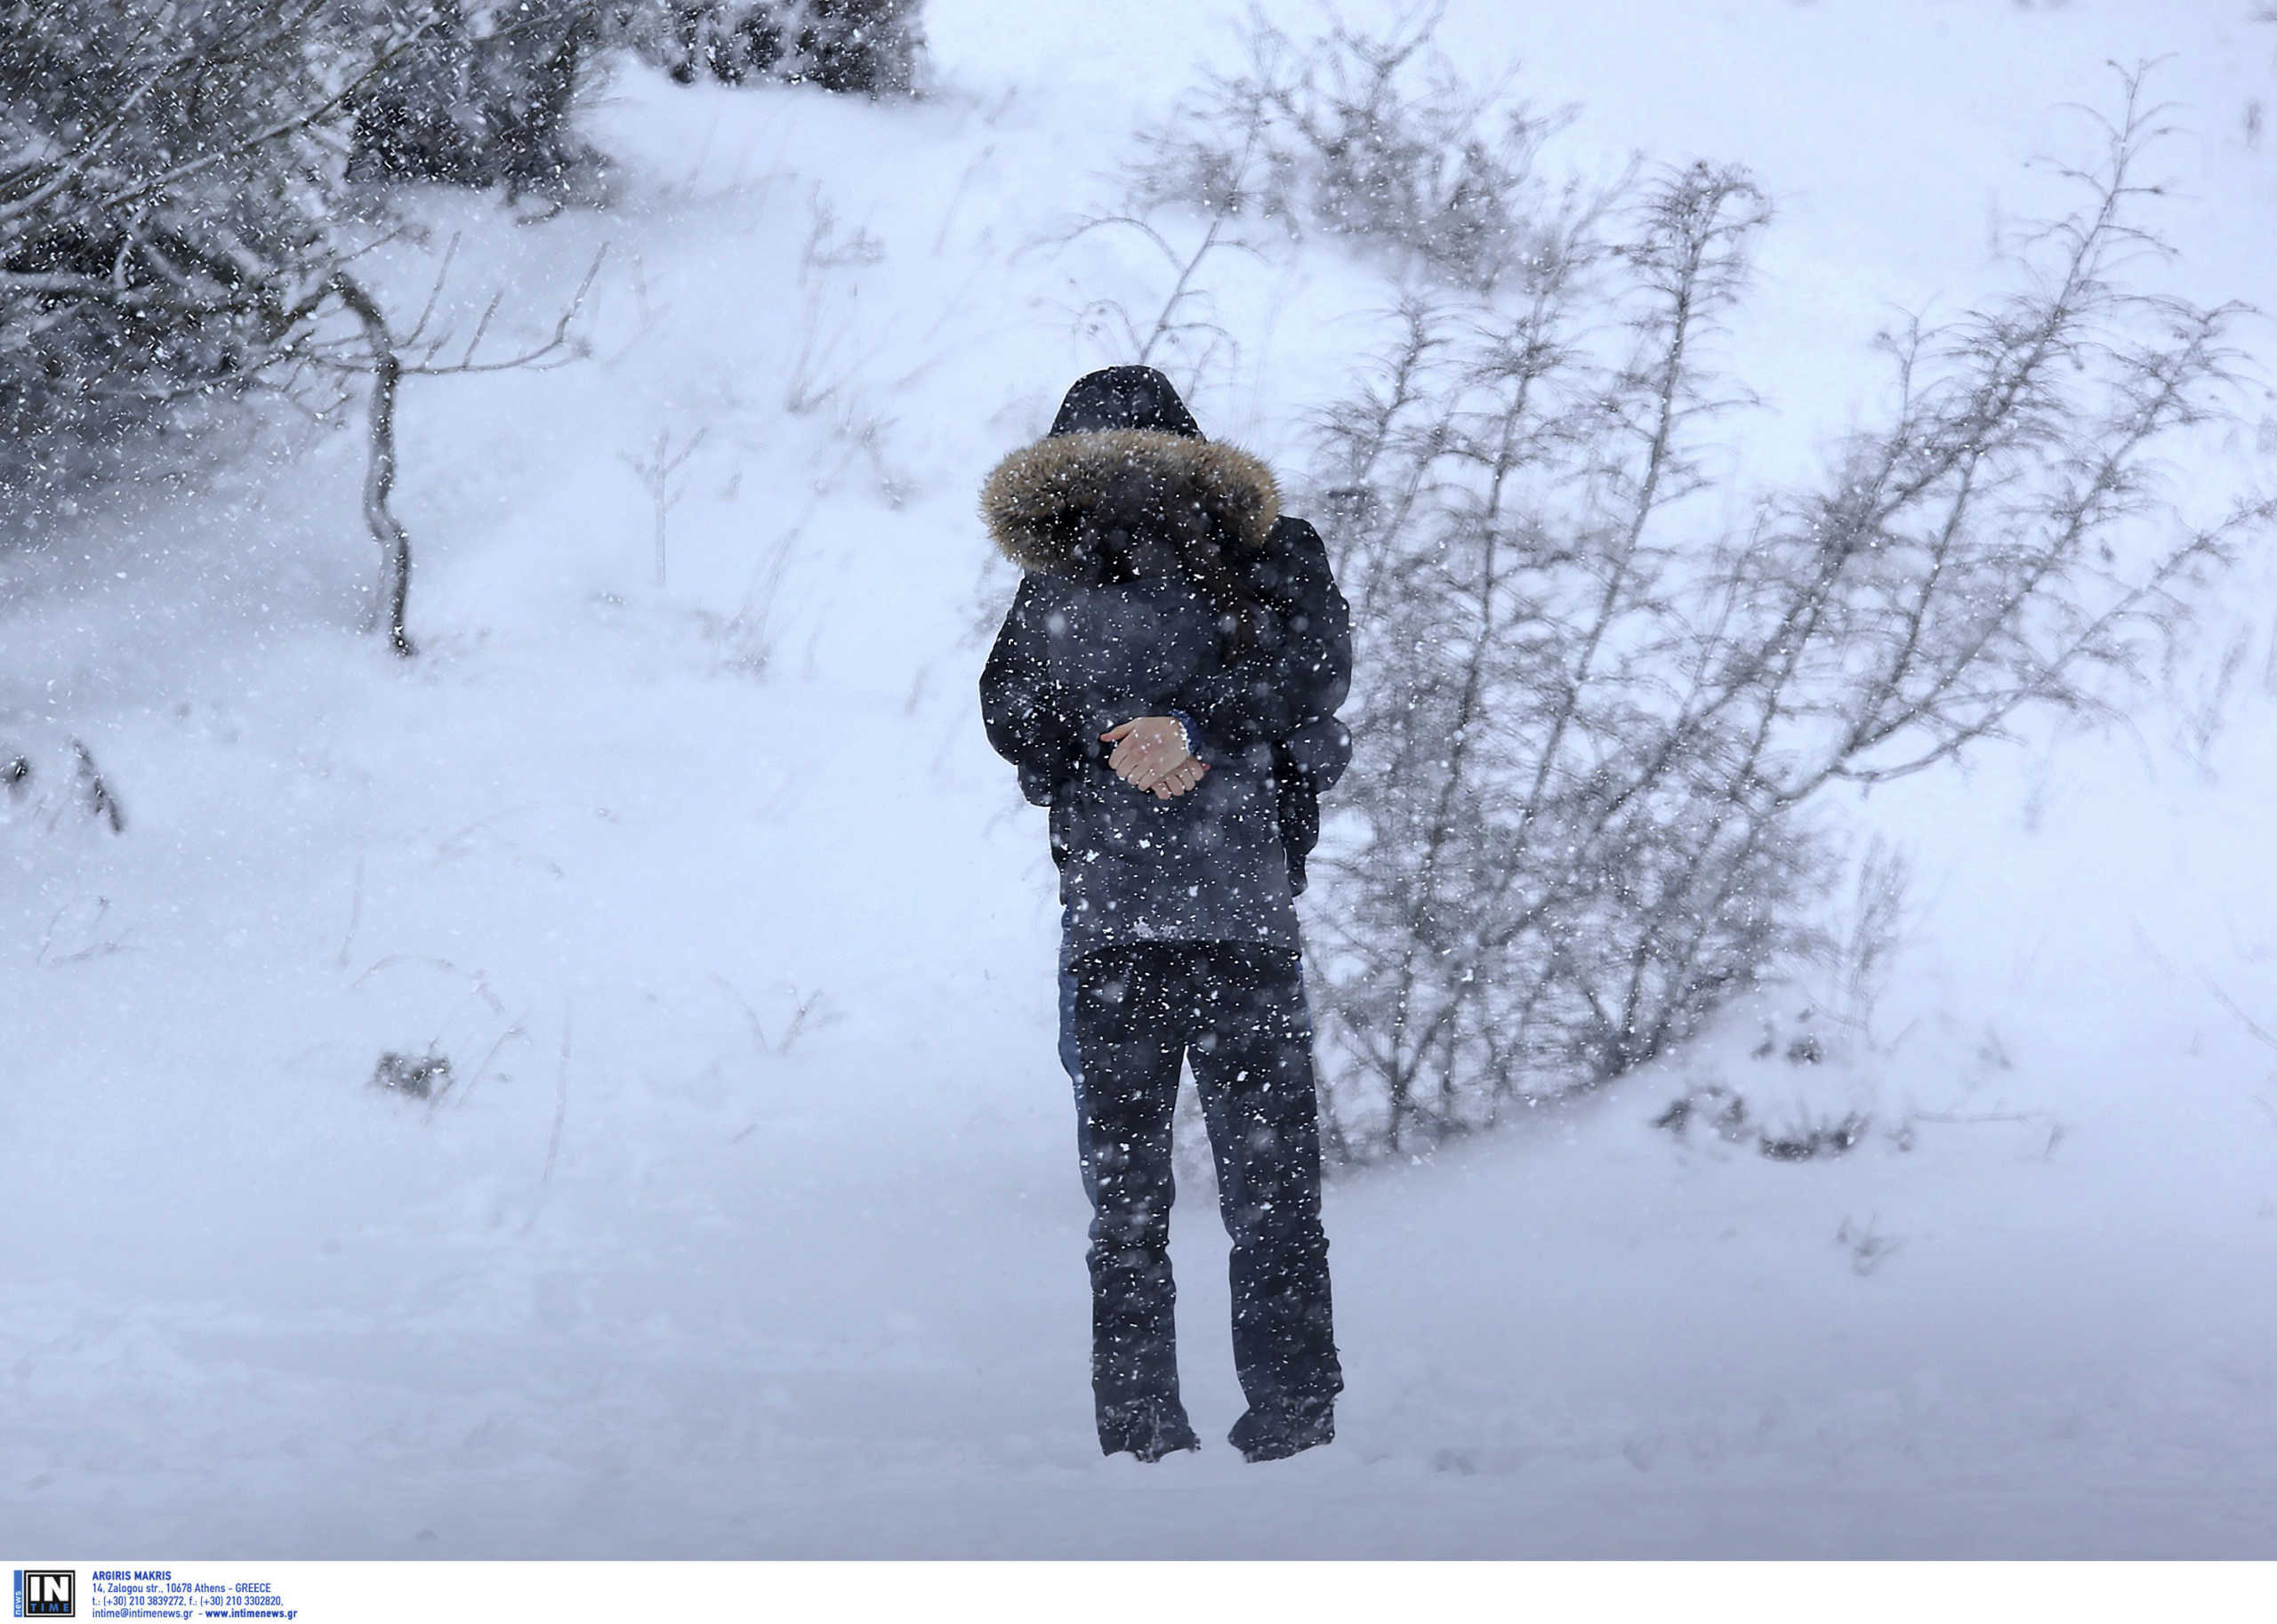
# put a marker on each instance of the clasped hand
(1150, 753)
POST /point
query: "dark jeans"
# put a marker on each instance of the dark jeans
(1128, 1016)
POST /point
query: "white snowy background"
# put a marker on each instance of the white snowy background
(751, 1226)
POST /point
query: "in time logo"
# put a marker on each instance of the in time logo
(43, 1593)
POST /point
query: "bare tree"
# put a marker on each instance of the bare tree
(377, 350)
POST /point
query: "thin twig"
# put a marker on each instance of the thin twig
(355, 915)
(561, 1111)
(2260, 1031)
(560, 1101)
(514, 1029)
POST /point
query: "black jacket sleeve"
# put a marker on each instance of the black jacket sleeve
(1300, 669)
(1030, 723)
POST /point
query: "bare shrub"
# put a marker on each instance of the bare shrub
(658, 470)
(1592, 727)
(1868, 1246)
(1375, 137)
(1371, 139)
(1557, 848)
(1595, 721)
(1858, 944)
(1181, 333)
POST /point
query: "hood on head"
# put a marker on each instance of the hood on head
(1124, 398)
(1124, 460)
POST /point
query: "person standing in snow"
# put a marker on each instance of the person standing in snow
(1166, 683)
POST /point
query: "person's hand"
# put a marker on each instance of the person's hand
(1180, 778)
(1150, 753)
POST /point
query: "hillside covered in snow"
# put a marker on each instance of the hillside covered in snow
(746, 1222)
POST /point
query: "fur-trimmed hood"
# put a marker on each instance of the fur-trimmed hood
(1044, 501)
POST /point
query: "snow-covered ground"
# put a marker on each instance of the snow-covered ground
(750, 1225)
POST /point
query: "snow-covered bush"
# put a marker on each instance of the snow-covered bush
(177, 230)
(163, 204)
(482, 96)
(867, 47)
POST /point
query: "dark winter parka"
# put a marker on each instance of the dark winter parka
(1160, 578)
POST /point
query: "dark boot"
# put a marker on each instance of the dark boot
(1149, 1429)
(1276, 1435)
